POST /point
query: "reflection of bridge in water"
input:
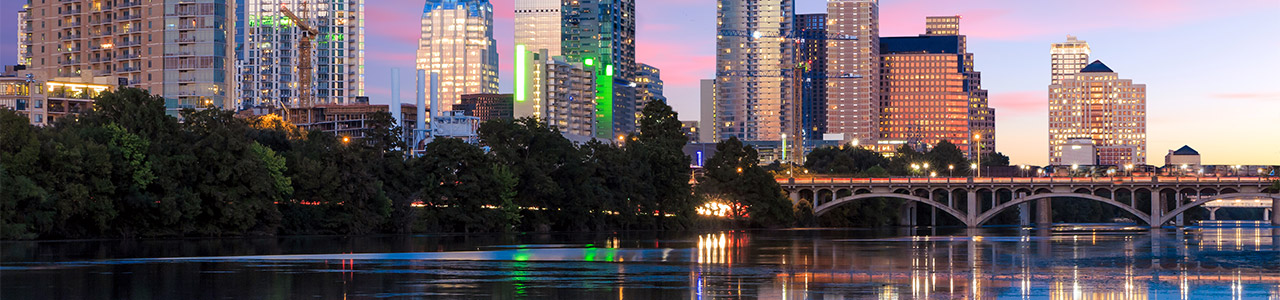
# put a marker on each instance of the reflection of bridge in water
(1165, 198)
(1161, 264)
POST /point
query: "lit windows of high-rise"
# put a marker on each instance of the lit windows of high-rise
(1094, 103)
(753, 61)
(465, 57)
(853, 64)
(267, 52)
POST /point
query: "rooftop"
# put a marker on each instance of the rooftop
(1185, 150)
(1096, 67)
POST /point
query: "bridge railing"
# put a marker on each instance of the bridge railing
(1033, 180)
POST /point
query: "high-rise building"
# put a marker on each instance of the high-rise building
(1068, 58)
(943, 25)
(556, 91)
(852, 69)
(929, 92)
(1097, 104)
(811, 30)
(707, 116)
(268, 52)
(648, 88)
(24, 35)
(181, 50)
(538, 25)
(457, 43)
(754, 58)
(601, 34)
(487, 107)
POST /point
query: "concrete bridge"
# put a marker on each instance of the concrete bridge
(1155, 201)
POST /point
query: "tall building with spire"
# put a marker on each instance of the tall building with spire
(180, 50)
(754, 57)
(268, 53)
(601, 34)
(1094, 103)
(457, 43)
(853, 67)
(930, 91)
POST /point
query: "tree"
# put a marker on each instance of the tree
(26, 210)
(536, 154)
(735, 173)
(843, 160)
(461, 181)
(995, 159)
(946, 154)
(659, 145)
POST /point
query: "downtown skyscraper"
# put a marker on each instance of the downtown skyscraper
(182, 51)
(457, 43)
(853, 67)
(601, 35)
(811, 29)
(268, 52)
(930, 91)
(538, 25)
(1094, 103)
(754, 98)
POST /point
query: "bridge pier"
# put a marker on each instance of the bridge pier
(1157, 209)
(1275, 211)
(1024, 211)
(972, 214)
(1213, 213)
(1044, 212)
(933, 212)
(795, 198)
(1178, 219)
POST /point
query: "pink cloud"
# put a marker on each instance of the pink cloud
(1019, 102)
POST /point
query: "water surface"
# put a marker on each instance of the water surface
(1071, 262)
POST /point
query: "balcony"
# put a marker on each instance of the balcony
(71, 11)
(71, 37)
(70, 62)
(129, 43)
(129, 4)
(129, 17)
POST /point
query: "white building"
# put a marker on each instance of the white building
(1095, 103)
(267, 52)
(1079, 152)
(558, 92)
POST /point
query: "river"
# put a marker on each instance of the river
(1066, 262)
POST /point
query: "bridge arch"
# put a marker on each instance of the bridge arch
(822, 209)
(986, 216)
(1169, 216)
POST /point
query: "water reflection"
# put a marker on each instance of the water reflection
(1080, 263)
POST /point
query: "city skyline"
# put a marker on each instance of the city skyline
(1168, 45)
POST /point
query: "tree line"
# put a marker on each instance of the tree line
(127, 169)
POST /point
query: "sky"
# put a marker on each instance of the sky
(1212, 68)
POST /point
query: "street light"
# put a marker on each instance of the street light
(977, 141)
(346, 140)
(973, 167)
(950, 169)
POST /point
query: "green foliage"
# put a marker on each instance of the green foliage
(995, 159)
(127, 168)
(735, 174)
(842, 160)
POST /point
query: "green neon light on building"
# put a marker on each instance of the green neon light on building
(520, 73)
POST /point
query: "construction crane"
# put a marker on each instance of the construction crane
(305, 64)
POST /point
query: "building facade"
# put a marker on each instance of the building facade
(930, 92)
(457, 43)
(182, 51)
(1067, 58)
(24, 35)
(538, 25)
(267, 52)
(487, 107)
(1095, 103)
(707, 116)
(811, 29)
(556, 91)
(45, 102)
(753, 58)
(601, 34)
(648, 88)
(853, 63)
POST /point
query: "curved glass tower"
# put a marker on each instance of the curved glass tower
(457, 42)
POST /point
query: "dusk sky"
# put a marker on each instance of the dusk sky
(1212, 68)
